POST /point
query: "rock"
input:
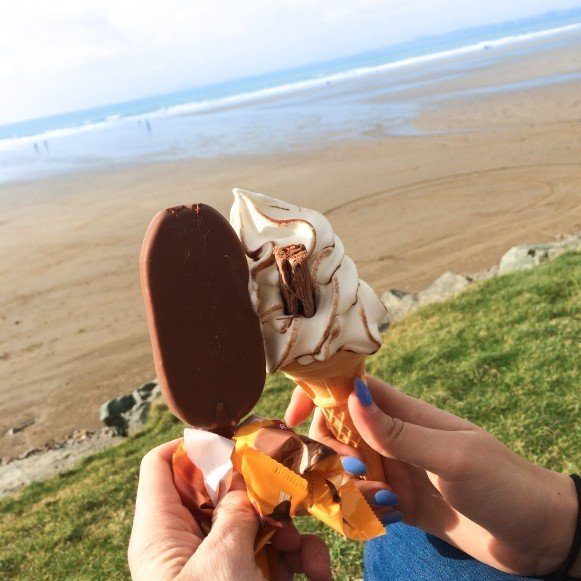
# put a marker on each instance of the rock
(52, 458)
(384, 323)
(27, 453)
(484, 274)
(528, 256)
(78, 436)
(128, 412)
(399, 304)
(443, 288)
(115, 407)
(137, 415)
(155, 392)
(20, 427)
(146, 391)
(112, 413)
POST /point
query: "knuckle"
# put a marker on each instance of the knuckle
(395, 429)
(150, 461)
(392, 433)
(146, 461)
(465, 455)
(236, 506)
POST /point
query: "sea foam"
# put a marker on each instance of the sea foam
(245, 97)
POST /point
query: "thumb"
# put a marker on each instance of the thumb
(438, 451)
(234, 524)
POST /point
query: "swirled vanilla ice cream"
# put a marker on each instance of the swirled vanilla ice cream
(319, 320)
(346, 310)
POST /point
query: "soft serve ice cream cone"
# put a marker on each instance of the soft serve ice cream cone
(319, 321)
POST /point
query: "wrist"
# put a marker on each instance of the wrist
(572, 564)
(562, 509)
(575, 570)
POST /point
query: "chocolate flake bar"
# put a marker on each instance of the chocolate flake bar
(295, 280)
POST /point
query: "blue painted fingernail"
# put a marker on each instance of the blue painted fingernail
(363, 393)
(354, 466)
(386, 498)
(390, 518)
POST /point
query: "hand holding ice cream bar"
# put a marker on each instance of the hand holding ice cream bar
(319, 320)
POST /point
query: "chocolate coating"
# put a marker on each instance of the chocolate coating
(206, 339)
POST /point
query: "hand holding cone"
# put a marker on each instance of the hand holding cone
(328, 384)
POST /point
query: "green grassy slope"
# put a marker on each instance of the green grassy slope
(504, 354)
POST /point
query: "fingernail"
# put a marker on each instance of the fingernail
(390, 518)
(386, 498)
(363, 393)
(354, 466)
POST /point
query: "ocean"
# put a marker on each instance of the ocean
(281, 110)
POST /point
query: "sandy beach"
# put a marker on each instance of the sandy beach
(487, 171)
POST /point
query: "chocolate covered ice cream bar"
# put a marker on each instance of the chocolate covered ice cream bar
(206, 338)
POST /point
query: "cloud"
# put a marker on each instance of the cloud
(81, 53)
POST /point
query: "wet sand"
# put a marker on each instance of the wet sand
(500, 169)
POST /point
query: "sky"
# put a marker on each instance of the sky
(75, 54)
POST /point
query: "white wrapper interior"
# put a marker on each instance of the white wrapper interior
(212, 455)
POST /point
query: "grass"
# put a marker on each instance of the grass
(504, 354)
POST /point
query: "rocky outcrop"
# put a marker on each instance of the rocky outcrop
(121, 416)
(128, 412)
(445, 287)
(399, 303)
(528, 256)
(52, 458)
(76, 438)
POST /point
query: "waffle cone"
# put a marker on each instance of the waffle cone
(328, 384)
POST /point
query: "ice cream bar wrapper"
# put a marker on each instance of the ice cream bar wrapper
(286, 475)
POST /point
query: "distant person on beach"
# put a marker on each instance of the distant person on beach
(36, 149)
(479, 508)
(148, 126)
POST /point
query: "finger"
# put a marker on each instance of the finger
(159, 512)
(318, 428)
(383, 501)
(320, 432)
(299, 408)
(350, 457)
(409, 409)
(436, 450)
(287, 538)
(377, 494)
(156, 487)
(312, 559)
(237, 481)
(234, 523)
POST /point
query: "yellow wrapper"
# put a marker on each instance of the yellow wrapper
(295, 472)
(286, 475)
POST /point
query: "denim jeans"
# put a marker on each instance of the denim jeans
(407, 553)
